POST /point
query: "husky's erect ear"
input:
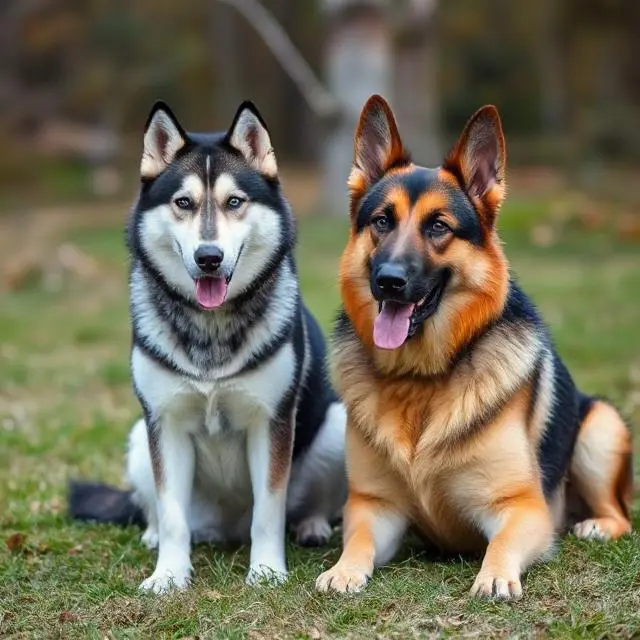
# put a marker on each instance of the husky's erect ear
(249, 135)
(478, 160)
(377, 147)
(163, 138)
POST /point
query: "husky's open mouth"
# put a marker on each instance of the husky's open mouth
(211, 292)
(397, 321)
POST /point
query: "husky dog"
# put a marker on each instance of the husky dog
(241, 429)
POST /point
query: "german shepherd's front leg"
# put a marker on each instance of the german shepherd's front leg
(269, 450)
(520, 530)
(172, 458)
(372, 532)
(375, 518)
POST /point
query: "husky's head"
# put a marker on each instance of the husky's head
(210, 217)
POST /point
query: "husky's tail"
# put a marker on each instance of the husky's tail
(97, 502)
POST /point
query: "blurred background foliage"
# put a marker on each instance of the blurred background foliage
(77, 78)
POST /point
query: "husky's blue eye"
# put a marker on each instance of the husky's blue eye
(183, 203)
(234, 202)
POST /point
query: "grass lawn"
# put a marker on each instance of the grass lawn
(66, 406)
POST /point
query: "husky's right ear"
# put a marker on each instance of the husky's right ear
(377, 147)
(249, 135)
(163, 138)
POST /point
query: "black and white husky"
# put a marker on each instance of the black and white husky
(242, 431)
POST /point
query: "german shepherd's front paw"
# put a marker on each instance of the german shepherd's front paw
(497, 584)
(342, 578)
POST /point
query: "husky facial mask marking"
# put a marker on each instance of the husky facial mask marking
(207, 201)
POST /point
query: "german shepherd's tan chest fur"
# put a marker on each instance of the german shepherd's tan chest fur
(440, 479)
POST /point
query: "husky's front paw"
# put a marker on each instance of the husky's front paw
(262, 574)
(343, 579)
(164, 580)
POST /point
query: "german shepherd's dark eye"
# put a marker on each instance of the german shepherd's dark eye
(234, 202)
(185, 204)
(381, 223)
(438, 228)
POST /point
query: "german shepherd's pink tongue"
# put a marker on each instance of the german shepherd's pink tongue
(391, 327)
(211, 292)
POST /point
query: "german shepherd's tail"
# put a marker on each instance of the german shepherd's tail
(96, 502)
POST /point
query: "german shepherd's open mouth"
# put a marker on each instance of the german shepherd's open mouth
(398, 320)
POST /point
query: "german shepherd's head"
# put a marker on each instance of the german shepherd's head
(423, 272)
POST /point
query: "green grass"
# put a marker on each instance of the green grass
(66, 406)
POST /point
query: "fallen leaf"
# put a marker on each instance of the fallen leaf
(15, 542)
(74, 551)
(67, 616)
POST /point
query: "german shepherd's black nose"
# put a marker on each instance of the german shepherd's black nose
(391, 278)
(208, 257)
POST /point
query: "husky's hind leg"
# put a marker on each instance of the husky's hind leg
(319, 487)
(601, 470)
(140, 475)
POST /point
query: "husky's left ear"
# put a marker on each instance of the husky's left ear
(478, 160)
(249, 135)
(163, 138)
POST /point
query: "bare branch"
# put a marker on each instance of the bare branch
(317, 96)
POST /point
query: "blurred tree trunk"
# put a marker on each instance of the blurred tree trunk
(226, 93)
(415, 88)
(358, 63)
(551, 56)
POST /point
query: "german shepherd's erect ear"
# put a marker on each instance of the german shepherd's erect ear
(377, 148)
(249, 135)
(163, 138)
(478, 161)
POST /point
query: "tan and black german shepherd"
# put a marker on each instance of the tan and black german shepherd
(462, 419)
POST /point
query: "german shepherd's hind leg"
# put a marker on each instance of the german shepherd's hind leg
(520, 531)
(601, 471)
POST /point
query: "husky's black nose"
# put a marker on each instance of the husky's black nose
(208, 257)
(391, 278)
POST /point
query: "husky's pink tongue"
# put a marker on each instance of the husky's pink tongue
(391, 327)
(211, 292)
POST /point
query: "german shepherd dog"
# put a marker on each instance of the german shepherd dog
(241, 428)
(462, 419)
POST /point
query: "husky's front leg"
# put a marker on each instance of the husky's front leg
(172, 459)
(269, 451)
